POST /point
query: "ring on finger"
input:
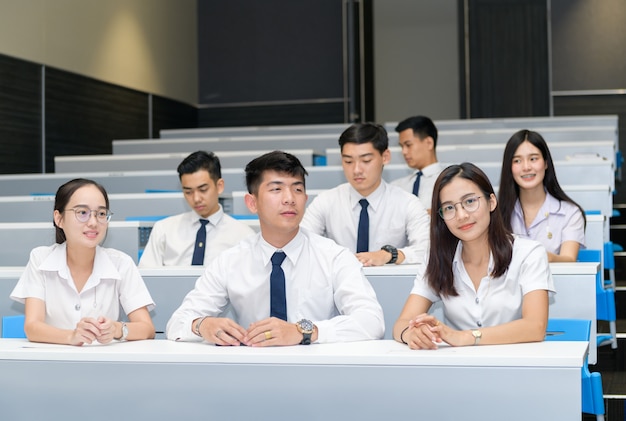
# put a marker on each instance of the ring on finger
(218, 333)
(268, 335)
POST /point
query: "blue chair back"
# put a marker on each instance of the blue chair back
(568, 330)
(13, 326)
(579, 330)
(605, 297)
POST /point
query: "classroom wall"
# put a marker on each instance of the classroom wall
(147, 45)
(416, 59)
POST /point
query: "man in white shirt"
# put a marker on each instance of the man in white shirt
(319, 293)
(418, 138)
(397, 226)
(173, 240)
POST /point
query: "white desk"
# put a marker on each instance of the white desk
(164, 380)
(574, 282)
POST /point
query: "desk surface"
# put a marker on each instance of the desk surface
(371, 353)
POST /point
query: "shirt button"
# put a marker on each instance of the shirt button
(479, 324)
(77, 307)
(477, 300)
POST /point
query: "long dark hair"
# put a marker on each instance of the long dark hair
(509, 190)
(443, 243)
(63, 196)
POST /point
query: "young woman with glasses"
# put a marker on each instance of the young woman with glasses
(493, 287)
(73, 290)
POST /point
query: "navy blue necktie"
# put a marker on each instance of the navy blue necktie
(198, 250)
(416, 185)
(278, 303)
(363, 234)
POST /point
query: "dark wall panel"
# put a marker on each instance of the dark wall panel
(271, 115)
(20, 116)
(84, 115)
(171, 114)
(270, 50)
(508, 58)
(588, 38)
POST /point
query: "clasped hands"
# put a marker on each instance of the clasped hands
(90, 329)
(426, 332)
(268, 332)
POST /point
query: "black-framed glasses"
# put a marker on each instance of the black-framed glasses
(470, 204)
(83, 213)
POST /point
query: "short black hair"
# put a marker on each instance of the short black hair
(279, 161)
(422, 126)
(201, 160)
(366, 133)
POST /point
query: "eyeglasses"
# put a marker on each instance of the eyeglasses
(470, 204)
(83, 214)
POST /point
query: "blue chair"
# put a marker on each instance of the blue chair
(609, 263)
(605, 301)
(579, 330)
(13, 326)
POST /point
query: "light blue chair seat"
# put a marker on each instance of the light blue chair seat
(579, 330)
(13, 326)
(605, 300)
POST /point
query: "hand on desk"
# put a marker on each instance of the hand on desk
(268, 332)
(273, 332)
(89, 329)
(374, 258)
(426, 332)
(222, 331)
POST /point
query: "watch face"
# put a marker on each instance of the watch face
(306, 325)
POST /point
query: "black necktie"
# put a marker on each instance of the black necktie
(363, 234)
(198, 250)
(278, 303)
(416, 185)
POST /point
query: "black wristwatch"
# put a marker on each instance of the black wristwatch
(393, 251)
(306, 328)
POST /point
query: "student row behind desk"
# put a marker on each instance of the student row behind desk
(327, 285)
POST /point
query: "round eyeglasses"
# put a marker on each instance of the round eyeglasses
(83, 213)
(470, 204)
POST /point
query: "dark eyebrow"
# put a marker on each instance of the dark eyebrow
(359, 156)
(87, 207)
(465, 196)
(199, 187)
(282, 183)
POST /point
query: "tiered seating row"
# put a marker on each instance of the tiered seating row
(585, 167)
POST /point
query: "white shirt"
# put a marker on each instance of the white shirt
(396, 218)
(498, 300)
(324, 283)
(556, 222)
(427, 182)
(115, 280)
(172, 240)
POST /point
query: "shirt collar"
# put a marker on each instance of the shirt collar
(551, 206)
(56, 261)
(292, 249)
(430, 170)
(374, 199)
(213, 219)
(457, 260)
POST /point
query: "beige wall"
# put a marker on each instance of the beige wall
(148, 45)
(416, 68)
